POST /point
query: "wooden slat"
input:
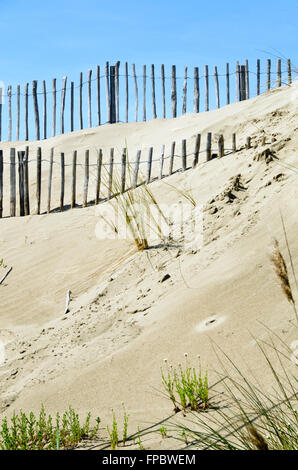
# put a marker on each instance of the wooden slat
(258, 76)
(50, 180)
(26, 182)
(174, 92)
(12, 182)
(71, 106)
(98, 176)
(126, 92)
(9, 92)
(63, 96)
(73, 179)
(268, 74)
(206, 88)
(278, 72)
(1, 183)
(149, 165)
(136, 91)
(153, 92)
(89, 98)
(81, 101)
(144, 92)
(183, 153)
(26, 112)
(237, 81)
(247, 79)
(196, 91)
(234, 145)
(172, 158)
(216, 87)
(110, 189)
(38, 179)
(163, 91)
(54, 107)
(136, 170)
(184, 104)
(107, 71)
(221, 146)
(289, 72)
(21, 156)
(1, 104)
(162, 157)
(36, 112)
(86, 179)
(228, 82)
(98, 95)
(62, 172)
(112, 94)
(117, 112)
(197, 151)
(123, 170)
(209, 146)
(18, 112)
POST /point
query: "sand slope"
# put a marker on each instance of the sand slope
(123, 320)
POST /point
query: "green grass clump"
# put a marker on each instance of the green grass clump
(41, 432)
(186, 387)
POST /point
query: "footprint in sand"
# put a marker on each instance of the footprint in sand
(210, 323)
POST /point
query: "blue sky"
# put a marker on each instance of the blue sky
(43, 40)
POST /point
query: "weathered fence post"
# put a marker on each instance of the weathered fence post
(197, 151)
(12, 182)
(228, 82)
(44, 109)
(196, 90)
(278, 72)
(1, 182)
(50, 181)
(268, 74)
(26, 112)
(62, 169)
(98, 94)
(163, 91)
(248, 143)
(73, 179)
(26, 182)
(183, 149)
(221, 146)
(1, 102)
(126, 92)
(81, 101)
(149, 166)
(184, 91)
(63, 94)
(153, 92)
(38, 179)
(289, 72)
(86, 179)
(242, 83)
(216, 87)
(18, 112)
(247, 80)
(136, 170)
(117, 91)
(234, 147)
(144, 92)
(237, 81)
(136, 91)
(110, 193)
(54, 107)
(123, 170)
(9, 113)
(112, 95)
(71, 106)
(258, 76)
(89, 99)
(208, 146)
(107, 69)
(174, 92)
(21, 155)
(162, 156)
(98, 175)
(36, 112)
(206, 88)
(172, 158)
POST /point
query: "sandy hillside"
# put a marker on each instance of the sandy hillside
(124, 317)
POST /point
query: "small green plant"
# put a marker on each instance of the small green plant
(139, 440)
(185, 386)
(24, 432)
(125, 425)
(113, 433)
(163, 431)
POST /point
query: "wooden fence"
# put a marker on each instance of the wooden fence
(120, 96)
(19, 199)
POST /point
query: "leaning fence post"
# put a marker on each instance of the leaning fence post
(38, 179)
(197, 151)
(149, 166)
(50, 181)
(208, 146)
(123, 170)
(21, 155)
(12, 182)
(174, 92)
(73, 179)
(1, 183)
(86, 179)
(98, 175)
(35, 103)
(172, 158)
(206, 89)
(136, 170)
